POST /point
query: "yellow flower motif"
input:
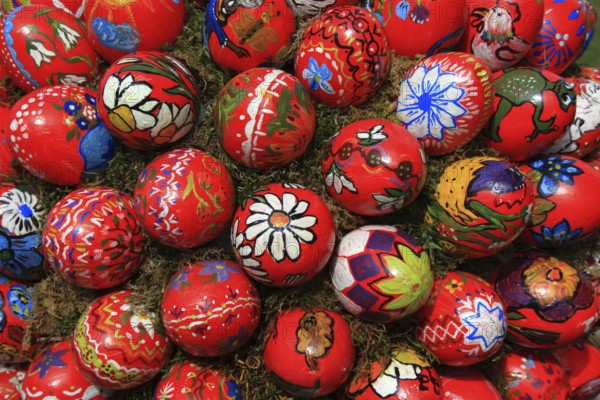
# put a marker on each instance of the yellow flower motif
(454, 286)
(551, 280)
(314, 337)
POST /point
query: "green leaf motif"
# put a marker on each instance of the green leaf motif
(541, 208)
(226, 105)
(284, 109)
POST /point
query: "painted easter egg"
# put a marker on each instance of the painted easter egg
(43, 46)
(467, 384)
(149, 100)
(8, 163)
(210, 308)
(480, 206)
(74, 7)
(533, 374)
(304, 8)
(587, 72)
(464, 321)
(405, 374)
(53, 373)
(581, 362)
(116, 343)
(421, 26)
(501, 32)
(21, 217)
(562, 185)
(381, 273)
(11, 379)
(186, 378)
(264, 118)
(117, 29)
(241, 35)
(16, 304)
(184, 198)
(445, 101)
(93, 239)
(548, 302)
(374, 167)
(532, 109)
(56, 135)
(343, 57)
(283, 235)
(309, 353)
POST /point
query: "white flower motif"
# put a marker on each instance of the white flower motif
(244, 251)
(20, 212)
(72, 79)
(172, 123)
(388, 202)
(129, 60)
(288, 185)
(374, 135)
(67, 35)
(40, 53)
(279, 226)
(166, 392)
(136, 320)
(59, 4)
(429, 102)
(339, 181)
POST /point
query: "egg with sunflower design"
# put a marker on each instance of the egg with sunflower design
(381, 273)
(480, 206)
(56, 135)
(309, 353)
(11, 379)
(148, 100)
(16, 305)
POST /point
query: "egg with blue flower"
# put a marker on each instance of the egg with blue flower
(16, 305)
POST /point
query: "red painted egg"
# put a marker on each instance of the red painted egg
(16, 303)
(8, 163)
(501, 32)
(563, 186)
(71, 7)
(264, 118)
(560, 40)
(210, 308)
(590, 25)
(54, 374)
(467, 384)
(534, 374)
(463, 321)
(381, 273)
(305, 8)
(184, 198)
(532, 109)
(581, 362)
(480, 206)
(117, 29)
(548, 302)
(445, 100)
(283, 235)
(186, 379)
(405, 375)
(56, 135)
(149, 100)
(309, 353)
(241, 35)
(43, 46)
(11, 379)
(93, 239)
(421, 26)
(343, 57)
(116, 343)
(21, 218)
(374, 167)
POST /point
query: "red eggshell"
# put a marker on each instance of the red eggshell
(283, 235)
(116, 345)
(463, 322)
(309, 353)
(184, 198)
(210, 308)
(467, 384)
(72, 7)
(581, 362)
(7, 160)
(343, 57)
(374, 167)
(43, 46)
(588, 72)
(54, 373)
(243, 35)
(16, 303)
(93, 239)
(451, 113)
(532, 108)
(11, 379)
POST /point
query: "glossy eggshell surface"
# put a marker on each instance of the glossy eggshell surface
(343, 57)
(71, 7)
(467, 384)
(283, 235)
(16, 304)
(11, 379)
(374, 167)
(548, 302)
(309, 353)
(445, 100)
(581, 362)
(148, 100)
(532, 108)
(7, 159)
(117, 346)
(463, 322)
(210, 308)
(184, 198)
(381, 273)
(480, 206)
(43, 46)
(264, 118)
(93, 239)
(56, 135)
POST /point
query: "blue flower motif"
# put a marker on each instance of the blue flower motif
(318, 76)
(49, 359)
(420, 14)
(82, 123)
(402, 9)
(180, 278)
(97, 148)
(19, 300)
(2, 313)
(233, 390)
(555, 170)
(556, 235)
(221, 269)
(551, 48)
(90, 99)
(19, 256)
(121, 37)
(71, 107)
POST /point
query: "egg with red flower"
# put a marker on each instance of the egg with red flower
(16, 304)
